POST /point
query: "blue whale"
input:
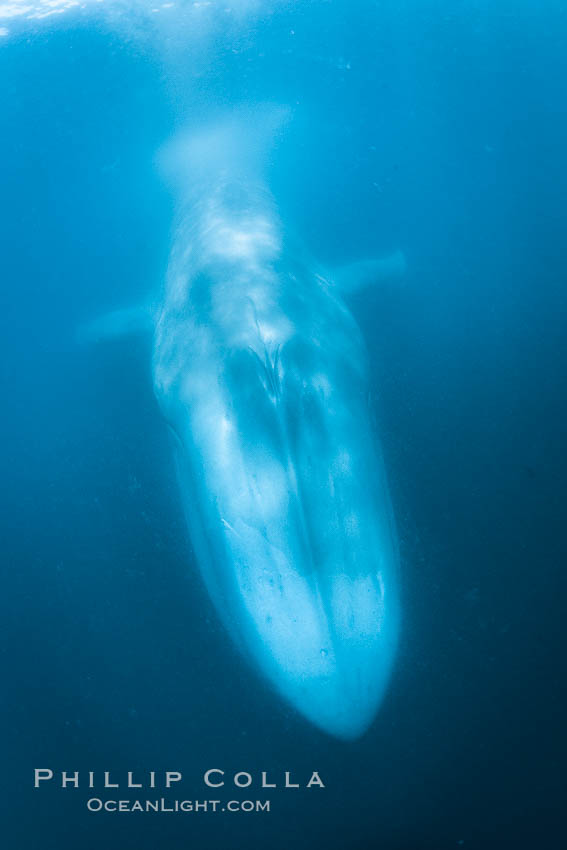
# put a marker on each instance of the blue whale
(261, 372)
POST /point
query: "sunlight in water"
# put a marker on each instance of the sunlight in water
(16, 13)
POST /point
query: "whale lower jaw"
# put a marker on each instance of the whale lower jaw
(325, 642)
(343, 701)
(336, 710)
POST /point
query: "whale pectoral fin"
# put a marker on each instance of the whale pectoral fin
(131, 320)
(364, 273)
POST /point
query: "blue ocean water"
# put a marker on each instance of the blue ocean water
(436, 128)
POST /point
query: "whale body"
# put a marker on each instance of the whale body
(261, 373)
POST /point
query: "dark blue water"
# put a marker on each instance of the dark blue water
(439, 128)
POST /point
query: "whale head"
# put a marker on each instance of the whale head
(286, 498)
(261, 370)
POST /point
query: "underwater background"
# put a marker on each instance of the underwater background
(438, 128)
